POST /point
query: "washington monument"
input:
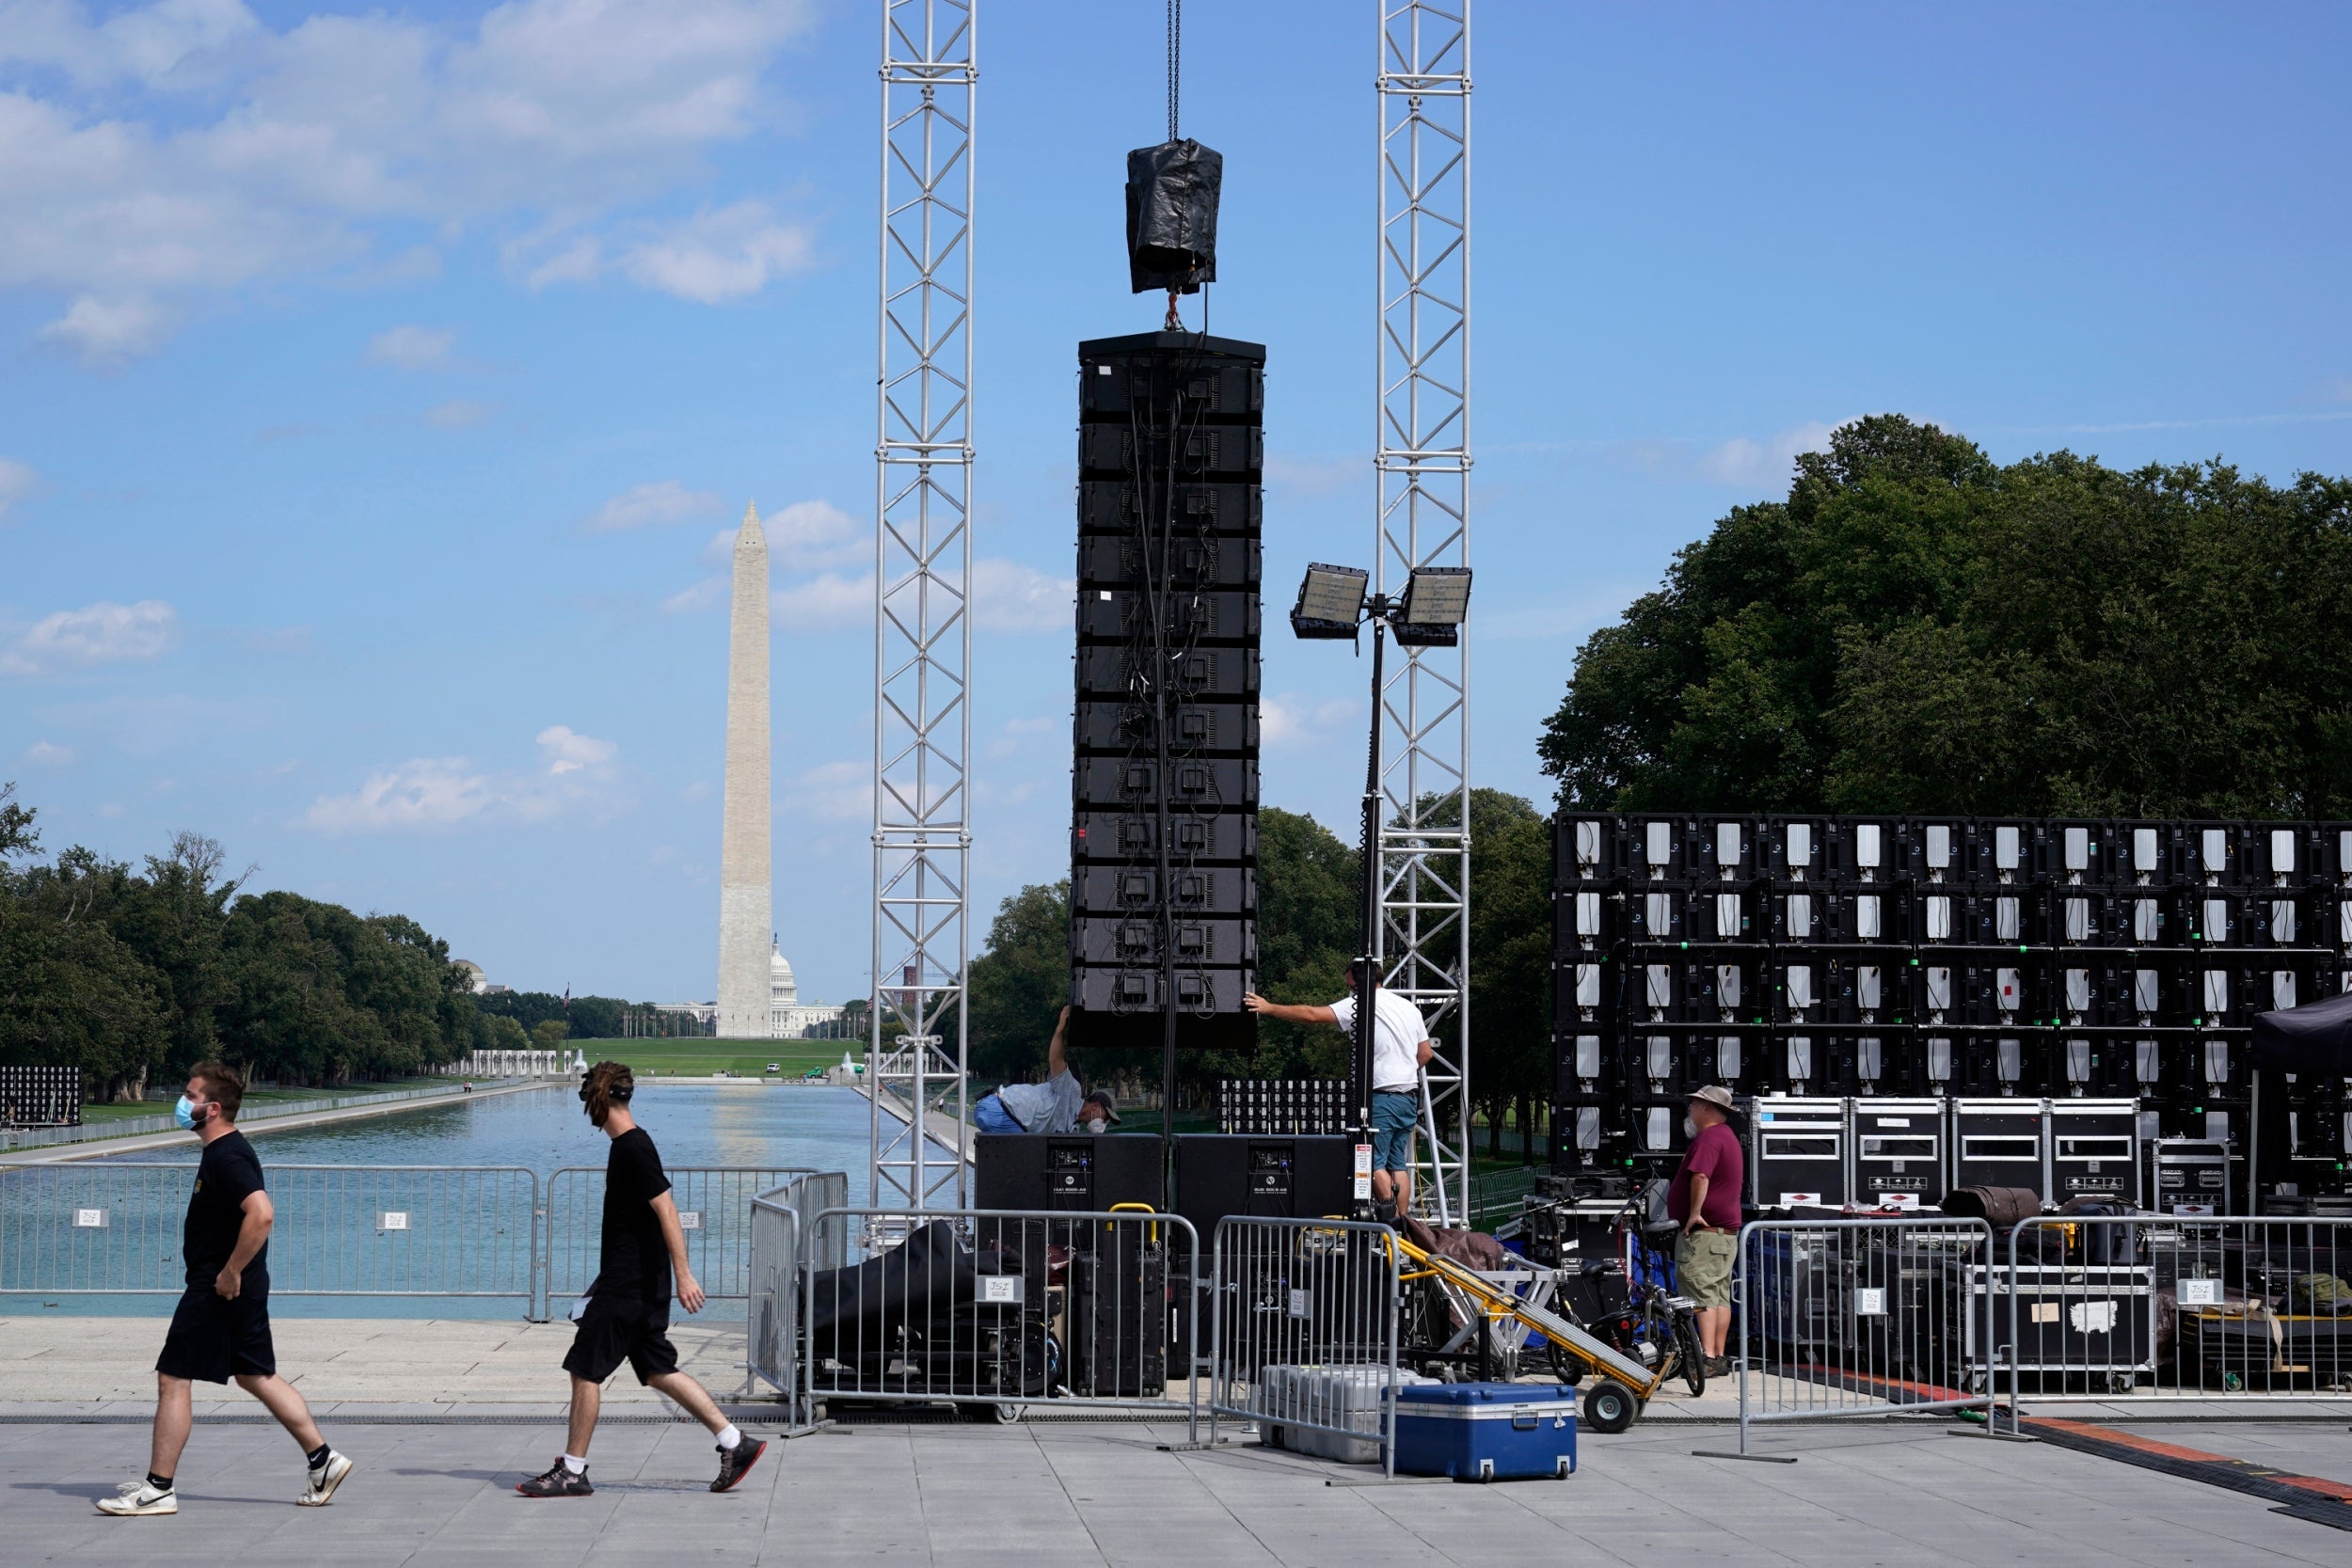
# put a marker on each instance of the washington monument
(744, 865)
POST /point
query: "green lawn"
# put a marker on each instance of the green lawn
(258, 1098)
(703, 1056)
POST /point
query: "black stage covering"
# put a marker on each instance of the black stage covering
(925, 1275)
(1171, 216)
(2315, 1039)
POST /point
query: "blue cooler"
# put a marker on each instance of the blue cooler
(1485, 1430)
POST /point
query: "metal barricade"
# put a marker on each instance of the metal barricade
(1860, 1317)
(780, 1217)
(714, 1210)
(359, 1231)
(2149, 1307)
(1303, 1335)
(1001, 1309)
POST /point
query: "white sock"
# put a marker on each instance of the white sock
(729, 1438)
(577, 1466)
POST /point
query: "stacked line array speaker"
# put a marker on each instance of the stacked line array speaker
(1853, 957)
(1164, 786)
(41, 1097)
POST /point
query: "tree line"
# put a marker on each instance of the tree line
(1916, 628)
(136, 974)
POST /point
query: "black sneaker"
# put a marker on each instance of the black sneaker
(736, 1462)
(560, 1480)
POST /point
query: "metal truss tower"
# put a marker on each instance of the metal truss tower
(1421, 456)
(922, 594)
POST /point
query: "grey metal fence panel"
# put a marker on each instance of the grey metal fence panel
(1001, 1307)
(714, 1204)
(1303, 1335)
(373, 1230)
(2147, 1306)
(782, 1218)
(1861, 1317)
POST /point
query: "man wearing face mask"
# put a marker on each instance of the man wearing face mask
(625, 1314)
(1059, 1104)
(1704, 1202)
(221, 1327)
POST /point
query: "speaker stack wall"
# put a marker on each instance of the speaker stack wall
(1163, 852)
(1987, 958)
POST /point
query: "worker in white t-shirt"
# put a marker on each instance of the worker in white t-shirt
(1400, 1048)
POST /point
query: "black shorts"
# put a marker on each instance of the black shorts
(213, 1340)
(615, 1329)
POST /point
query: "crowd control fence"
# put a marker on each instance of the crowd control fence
(1860, 1317)
(996, 1309)
(714, 1210)
(780, 1217)
(341, 1230)
(2149, 1306)
(1303, 1335)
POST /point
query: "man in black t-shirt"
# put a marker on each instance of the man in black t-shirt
(626, 1313)
(221, 1327)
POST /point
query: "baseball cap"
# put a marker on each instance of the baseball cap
(1110, 1106)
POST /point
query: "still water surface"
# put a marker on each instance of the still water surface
(819, 1127)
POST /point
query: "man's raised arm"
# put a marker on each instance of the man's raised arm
(1289, 1012)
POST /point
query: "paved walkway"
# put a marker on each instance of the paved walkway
(1045, 1496)
(91, 1366)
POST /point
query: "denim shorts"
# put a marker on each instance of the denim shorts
(1393, 1118)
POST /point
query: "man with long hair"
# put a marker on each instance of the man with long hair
(220, 1329)
(625, 1314)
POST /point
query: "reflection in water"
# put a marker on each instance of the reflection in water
(692, 1124)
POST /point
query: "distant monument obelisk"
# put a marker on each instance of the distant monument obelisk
(744, 867)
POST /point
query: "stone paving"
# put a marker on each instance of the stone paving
(445, 1416)
(1047, 1494)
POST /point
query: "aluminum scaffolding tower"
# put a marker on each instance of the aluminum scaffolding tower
(1422, 454)
(922, 592)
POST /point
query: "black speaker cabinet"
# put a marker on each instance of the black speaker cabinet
(1066, 1173)
(1219, 1173)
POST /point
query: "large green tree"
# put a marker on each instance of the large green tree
(1918, 628)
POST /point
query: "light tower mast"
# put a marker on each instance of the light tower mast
(922, 598)
(1422, 459)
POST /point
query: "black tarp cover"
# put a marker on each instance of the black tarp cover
(2315, 1038)
(1171, 216)
(923, 1276)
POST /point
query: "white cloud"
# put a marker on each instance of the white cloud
(1009, 596)
(17, 481)
(1285, 720)
(457, 414)
(107, 333)
(434, 794)
(661, 503)
(1314, 476)
(568, 751)
(696, 597)
(426, 793)
(183, 149)
(833, 792)
(412, 348)
(1767, 463)
(814, 534)
(48, 753)
(102, 633)
(823, 603)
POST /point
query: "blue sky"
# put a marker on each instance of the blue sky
(374, 381)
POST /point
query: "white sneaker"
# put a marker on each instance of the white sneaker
(325, 1479)
(135, 1499)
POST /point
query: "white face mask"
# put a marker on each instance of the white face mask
(1097, 1125)
(1689, 1128)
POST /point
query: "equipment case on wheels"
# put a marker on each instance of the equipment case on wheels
(1485, 1430)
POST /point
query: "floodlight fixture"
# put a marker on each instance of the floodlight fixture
(1330, 602)
(1436, 596)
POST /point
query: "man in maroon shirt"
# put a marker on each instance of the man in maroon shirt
(1704, 1202)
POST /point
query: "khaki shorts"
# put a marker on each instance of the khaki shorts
(1703, 1261)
